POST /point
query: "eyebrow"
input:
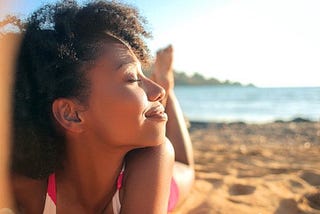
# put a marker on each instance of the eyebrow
(126, 63)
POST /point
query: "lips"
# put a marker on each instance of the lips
(156, 113)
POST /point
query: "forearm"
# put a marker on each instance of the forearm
(177, 131)
(147, 180)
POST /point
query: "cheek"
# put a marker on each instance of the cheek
(131, 104)
(118, 116)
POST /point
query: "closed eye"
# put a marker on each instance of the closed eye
(134, 80)
(131, 73)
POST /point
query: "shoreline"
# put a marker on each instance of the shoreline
(295, 120)
(255, 168)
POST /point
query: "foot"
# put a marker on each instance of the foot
(162, 72)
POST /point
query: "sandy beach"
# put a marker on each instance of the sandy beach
(255, 168)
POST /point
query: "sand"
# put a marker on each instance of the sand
(255, 168)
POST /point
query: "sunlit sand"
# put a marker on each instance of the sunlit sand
(255, 168)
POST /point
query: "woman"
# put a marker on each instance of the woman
(86, 116)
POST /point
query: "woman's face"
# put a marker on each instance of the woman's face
(123, 105)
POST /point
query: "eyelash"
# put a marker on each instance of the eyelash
(134, 80)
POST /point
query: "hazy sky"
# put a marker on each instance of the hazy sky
(264, 42)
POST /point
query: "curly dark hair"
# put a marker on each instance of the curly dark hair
(60, 42)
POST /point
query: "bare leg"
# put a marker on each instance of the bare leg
(177, 131)
(163, 72)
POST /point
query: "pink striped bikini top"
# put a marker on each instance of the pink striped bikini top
(51, 196)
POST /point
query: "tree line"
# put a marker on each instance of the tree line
(197, 79)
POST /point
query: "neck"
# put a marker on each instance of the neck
(89, 174)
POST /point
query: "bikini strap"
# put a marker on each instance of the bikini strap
(120, 177)
(116, 205)
(50, 206)
(52, 188)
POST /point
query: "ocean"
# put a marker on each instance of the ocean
(248, 104)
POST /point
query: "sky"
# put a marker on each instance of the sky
(270, 43)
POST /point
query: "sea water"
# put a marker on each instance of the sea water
(248, 104)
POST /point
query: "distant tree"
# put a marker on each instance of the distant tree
(214, 81)
(182, 78)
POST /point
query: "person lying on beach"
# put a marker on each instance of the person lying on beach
(91, 132)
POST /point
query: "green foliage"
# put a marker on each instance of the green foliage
(197, 79)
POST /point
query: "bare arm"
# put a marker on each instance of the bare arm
(147, 180)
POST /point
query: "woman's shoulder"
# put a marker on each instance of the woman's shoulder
(29, 194)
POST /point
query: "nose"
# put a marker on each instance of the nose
(154, 91)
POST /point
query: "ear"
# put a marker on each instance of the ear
(66, 113)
